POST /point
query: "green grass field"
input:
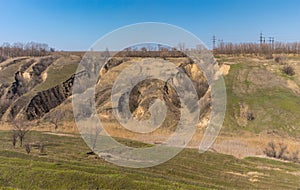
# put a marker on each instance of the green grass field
(65, 165)
(275, 107)
(57, 75)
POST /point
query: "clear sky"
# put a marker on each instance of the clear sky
(77, 24)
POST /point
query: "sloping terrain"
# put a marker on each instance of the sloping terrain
(263, 106)
(41, 85)
(64, 164)
(258, 88)
(29, 80)
(262, 101)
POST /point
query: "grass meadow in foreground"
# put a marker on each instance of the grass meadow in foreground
(65, 165)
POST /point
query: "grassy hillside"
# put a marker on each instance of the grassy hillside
(65, 165)
(271, 96)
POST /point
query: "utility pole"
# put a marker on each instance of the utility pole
(271, 42)
(261, 39)
(214, 42)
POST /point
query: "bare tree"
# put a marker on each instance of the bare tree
(27, 148)
(106, 53)
(21, 49)
(95, 134)
(14, 139)
(181, 46)
(20, 129)
(282, 150)
(258, 49)
(56, 117)
(41, 148)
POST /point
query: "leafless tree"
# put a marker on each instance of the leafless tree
(20, 129)
(41, 148)
(27, 148)
(14, 139)
(181, 46)
(20, 49)
(56, 117)
(258, 49)
(282, 150)
(106, 53)
(95, 134)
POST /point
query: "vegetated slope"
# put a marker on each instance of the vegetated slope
(261, 98)
(64, 164)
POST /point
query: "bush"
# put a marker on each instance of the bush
(250, 116)
(269, 56)
(289, 70)
(2, 58)
(295, 157)
(270, 151)
(280, 152)
(278, 59)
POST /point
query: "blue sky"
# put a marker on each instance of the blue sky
(77, 24)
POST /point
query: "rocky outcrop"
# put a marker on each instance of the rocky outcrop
(44, 101)
(145, 93)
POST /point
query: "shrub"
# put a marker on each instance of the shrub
(269, 56)
(295, 157)
(280, 152)
(270, 151)
(3, 58)
(278, 59)
(289, 70)
(250, 116)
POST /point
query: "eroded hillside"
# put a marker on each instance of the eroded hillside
(31, 87)
(36, 88)
(262, 102)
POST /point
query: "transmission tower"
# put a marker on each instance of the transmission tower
(214, 41)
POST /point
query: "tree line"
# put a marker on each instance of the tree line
(8, 50)
(258, 49)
